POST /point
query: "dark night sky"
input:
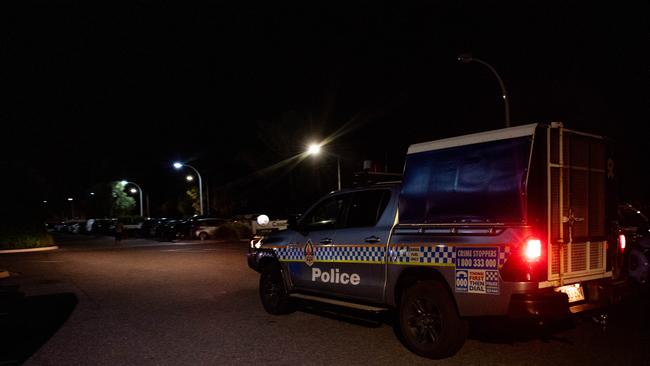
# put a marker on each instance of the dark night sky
(100, 92)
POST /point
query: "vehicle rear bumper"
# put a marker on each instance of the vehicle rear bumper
(549, 304)
(543, 305)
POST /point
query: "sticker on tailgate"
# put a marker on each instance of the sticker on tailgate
(477, 270)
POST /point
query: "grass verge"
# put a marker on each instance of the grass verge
(25, 240)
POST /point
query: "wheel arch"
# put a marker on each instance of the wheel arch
(267, 262)
(271, 261)
(410, 276)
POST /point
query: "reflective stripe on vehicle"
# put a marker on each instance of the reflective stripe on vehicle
(401, 254)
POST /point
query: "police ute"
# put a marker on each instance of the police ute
(511, 222)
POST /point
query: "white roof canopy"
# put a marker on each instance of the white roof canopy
(475, 138)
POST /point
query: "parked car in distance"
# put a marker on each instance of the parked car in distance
(104, 226)
(206, 228)
(157, 227)
(75, 226)
(147, 227)
(54, 225)
(636, 228)
(132, 224)
(175, 229)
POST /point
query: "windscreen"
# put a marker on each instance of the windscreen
(473, 183)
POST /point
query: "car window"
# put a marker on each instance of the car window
(326, 215)
(366, 208)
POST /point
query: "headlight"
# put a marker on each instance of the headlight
(256, 243)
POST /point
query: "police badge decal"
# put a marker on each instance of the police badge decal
(309, 253)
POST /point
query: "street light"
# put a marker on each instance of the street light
(189, 178)
(467, 58)
(125, 182)
(178, 165)
(315, 149)
(71, 207)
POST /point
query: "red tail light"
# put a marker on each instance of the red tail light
(527, 262)
(532, 249)
(621, 242)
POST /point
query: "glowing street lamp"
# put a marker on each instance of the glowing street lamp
(315, 149)
(71, 207)
(178, 165)
(189, 178)
(133, 190)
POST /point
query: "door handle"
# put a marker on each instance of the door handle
(326, 241)
(372, 239)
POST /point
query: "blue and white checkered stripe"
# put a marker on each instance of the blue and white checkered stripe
(350, 253)
(371, 254)
(290, 254)
(438, 254)
(441, 255)
(504, 253)
(492, 276)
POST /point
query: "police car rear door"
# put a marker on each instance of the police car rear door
(354, 264)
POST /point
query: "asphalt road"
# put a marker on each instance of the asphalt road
(149, 303)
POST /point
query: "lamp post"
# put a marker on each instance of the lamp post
(125, 182)
(178, 165)
(467, 58)
(71, 207)
(315, 149)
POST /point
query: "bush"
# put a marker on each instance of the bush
(23, 240)
(233, 231)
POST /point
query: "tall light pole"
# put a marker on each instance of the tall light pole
(178, 165)
(71, 207)
(467, 58)
(315, 149)
(125, 182)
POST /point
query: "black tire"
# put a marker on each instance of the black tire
(428, 322)
(273, 293)
(203, 235)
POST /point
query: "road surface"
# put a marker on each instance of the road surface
(196, 303)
